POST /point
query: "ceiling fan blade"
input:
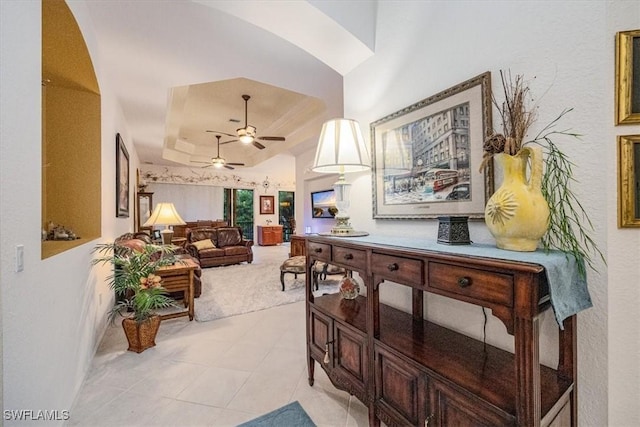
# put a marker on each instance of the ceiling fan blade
(258, 145)
(271, 138)
(235, 164)
(222, 133)
(226, 142)
(228, 167)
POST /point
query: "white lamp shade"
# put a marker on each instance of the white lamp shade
(164, 214)
(341, 148)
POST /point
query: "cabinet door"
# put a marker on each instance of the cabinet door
(320, 335)
(400, 390)
(350, 359)
(452, 407)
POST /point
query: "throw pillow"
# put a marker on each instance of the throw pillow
(204, 244)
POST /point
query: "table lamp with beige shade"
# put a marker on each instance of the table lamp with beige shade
(165, 214)
(342, 149)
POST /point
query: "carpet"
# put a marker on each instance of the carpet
(291, 415)
(243, 288)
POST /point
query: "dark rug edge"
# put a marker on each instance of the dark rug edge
(292, 414)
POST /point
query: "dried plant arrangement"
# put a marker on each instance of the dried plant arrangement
(569, 225)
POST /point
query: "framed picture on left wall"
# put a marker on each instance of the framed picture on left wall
(122, 179)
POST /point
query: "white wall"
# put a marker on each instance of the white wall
(198, 193)
(566, 50)
(623, 245)
(53, 313)
(193, 202)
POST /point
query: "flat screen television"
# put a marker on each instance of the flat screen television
(323, 204)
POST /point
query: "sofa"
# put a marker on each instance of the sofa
(218, 246)
(181, 230)
(134, 241)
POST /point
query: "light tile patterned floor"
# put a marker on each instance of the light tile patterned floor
(218, 373)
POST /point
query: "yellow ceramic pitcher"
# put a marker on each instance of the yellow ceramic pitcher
(517, 214)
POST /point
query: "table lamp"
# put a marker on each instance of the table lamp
(341, 149)
(165, 214)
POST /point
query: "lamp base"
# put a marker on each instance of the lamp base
(343, 229)
(352, 233)
(167, 235)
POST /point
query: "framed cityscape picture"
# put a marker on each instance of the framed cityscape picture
(426, 157)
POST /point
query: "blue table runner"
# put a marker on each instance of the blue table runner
(568, 290)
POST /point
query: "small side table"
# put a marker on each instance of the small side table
(179, 277)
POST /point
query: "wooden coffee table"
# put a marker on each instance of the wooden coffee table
(179, 277)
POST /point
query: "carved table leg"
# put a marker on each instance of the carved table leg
(374, 421)
(567, 366)
(527, 349)
(311, 366)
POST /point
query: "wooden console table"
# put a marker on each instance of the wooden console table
(409, 371)
(179, 277)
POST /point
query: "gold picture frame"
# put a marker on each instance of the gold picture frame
(628, 181)
(627, 77)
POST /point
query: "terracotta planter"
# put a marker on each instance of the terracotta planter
(517, 214)
(141, 336)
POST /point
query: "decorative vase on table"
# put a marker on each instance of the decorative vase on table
(517, 214)
(141, 335)
(349, 288)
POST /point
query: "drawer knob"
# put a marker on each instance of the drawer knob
(463, 282)
(317, 250)
(348, 256)
(393, 267)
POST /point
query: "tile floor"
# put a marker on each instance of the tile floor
(218, 373)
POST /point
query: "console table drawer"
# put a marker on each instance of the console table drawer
(352, 257)
(319, 251)
(478, 284)
(400, 270)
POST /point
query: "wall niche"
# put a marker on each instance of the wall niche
(71, 135)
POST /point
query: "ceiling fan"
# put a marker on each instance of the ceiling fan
(247, 134)
(218, 162)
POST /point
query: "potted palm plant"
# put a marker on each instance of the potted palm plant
(139, 292)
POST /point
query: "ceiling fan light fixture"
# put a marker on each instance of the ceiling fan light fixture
(217, 162)
(247, 134)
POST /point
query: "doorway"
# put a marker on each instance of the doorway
(238, 210)
(287, 214)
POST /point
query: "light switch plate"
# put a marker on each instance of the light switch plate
(19, 258)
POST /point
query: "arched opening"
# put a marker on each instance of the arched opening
(71, 137)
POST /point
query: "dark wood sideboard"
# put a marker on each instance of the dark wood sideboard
(409, 371)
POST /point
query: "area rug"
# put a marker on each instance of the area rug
(243, 288)
(291, 415)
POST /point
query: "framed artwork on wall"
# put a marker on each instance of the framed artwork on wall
(629, 181)
(267, 205)
(122, 179)
(628, 77)
(426, 157)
